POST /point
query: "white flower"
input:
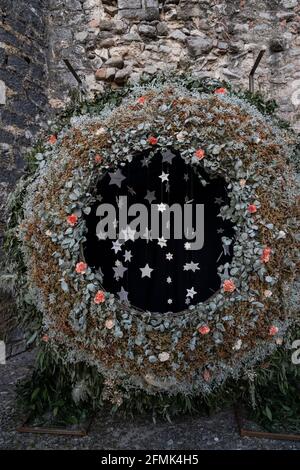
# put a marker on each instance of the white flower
(100, 131)
(237, 345)
(180, 136)
(48, 233)
(279, 341)
(281, 234)
(164, 356)
(110, 323)
(268, 293)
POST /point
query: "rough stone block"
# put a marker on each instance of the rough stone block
(115, 61)
(190, 9)
(198, 46)
(124, 4)
(132, 13)
(178, 35)
(151, 3)
(147, 31)
(100, 74)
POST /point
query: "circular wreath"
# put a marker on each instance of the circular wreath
(197, 349)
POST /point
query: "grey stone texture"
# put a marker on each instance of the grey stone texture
(23, 102)
(213, 38)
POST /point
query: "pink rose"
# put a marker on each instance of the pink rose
(273, 330)
(72, 220)
(252, 208)
(204, 330)
(265, 257)
(141, 99)
(200, 154)
(52, 139)
(81, 267)
(220, 91)
(99, 297)
(98, 158)
(228, 285)
(152, 140)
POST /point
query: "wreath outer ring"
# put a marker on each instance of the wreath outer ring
(247, 319)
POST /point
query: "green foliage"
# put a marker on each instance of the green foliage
(80, 105)
(48, 394)
(277, 394)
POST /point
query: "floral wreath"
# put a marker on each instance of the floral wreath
(245, 320)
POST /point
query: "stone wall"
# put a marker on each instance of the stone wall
(23, 100)
(110, 42)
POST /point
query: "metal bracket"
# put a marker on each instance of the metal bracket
(256, 64)
(75, 75)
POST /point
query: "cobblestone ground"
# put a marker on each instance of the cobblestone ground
(187, 433)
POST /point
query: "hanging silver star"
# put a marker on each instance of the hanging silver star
(150, 196)
(164, 176)
(220, 230)
(169, 256)
(191, 292)
(186, 177)
(146, 271)
(161, 207)
(123, 295)
(119, 271)
(191, 266)
(131, 190)
(127, 256)
(162, 242)
(187, 246)
(187, 301)
(116, 246)
(116, 178)
(226, 242)
(100, 273)
(219, 201)
(146, 161)
(167, 156)
(169, 280)
(170, 301)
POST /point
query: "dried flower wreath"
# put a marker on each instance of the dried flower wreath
(196, 350)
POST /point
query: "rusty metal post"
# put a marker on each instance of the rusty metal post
(253, 70)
